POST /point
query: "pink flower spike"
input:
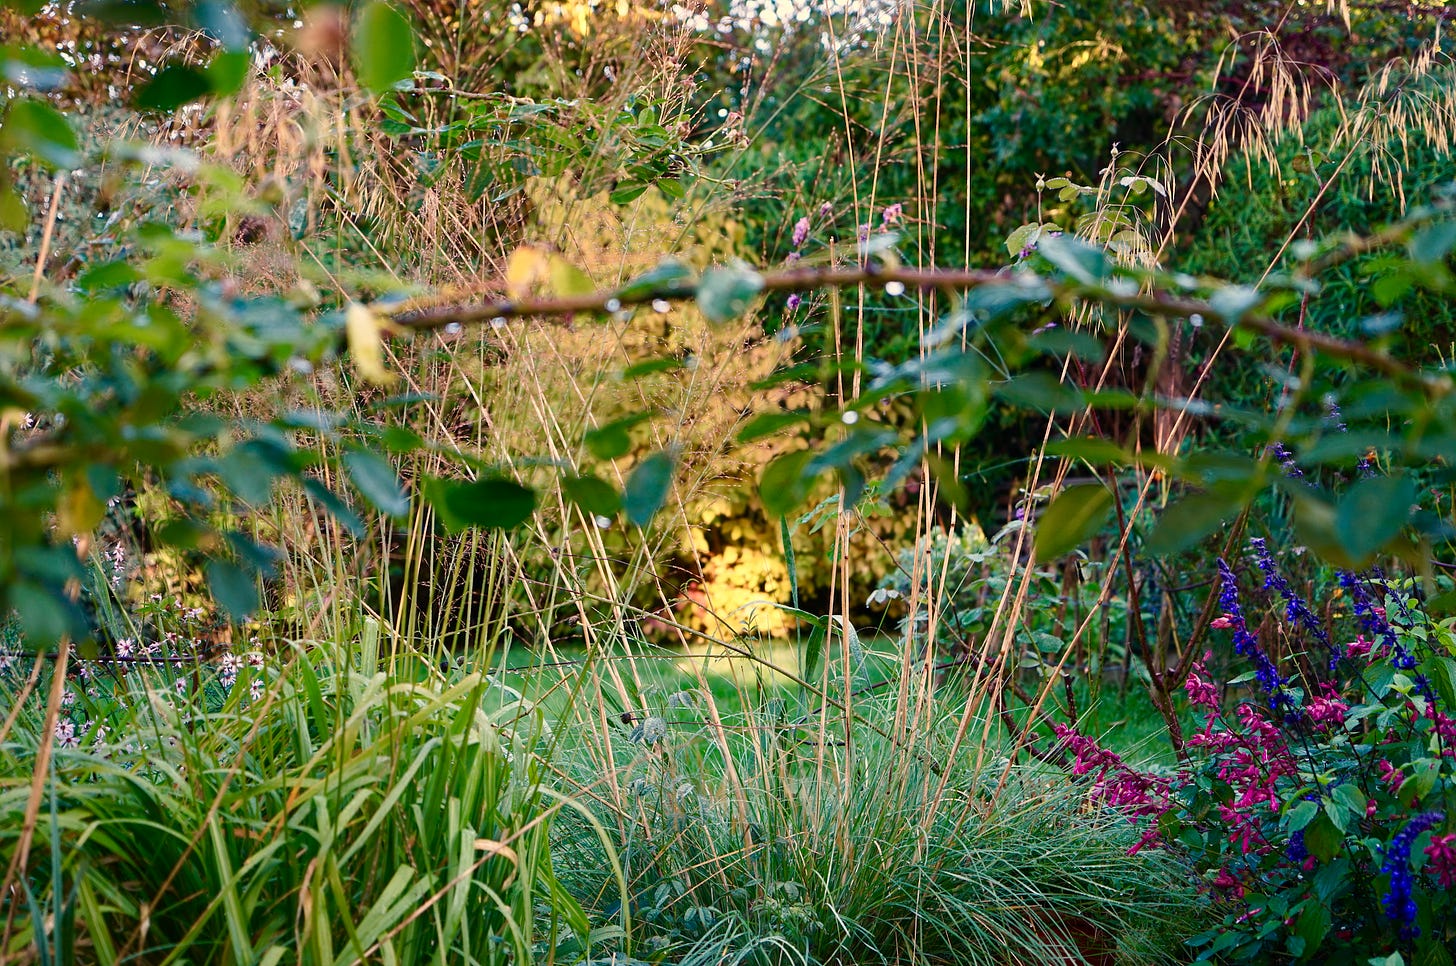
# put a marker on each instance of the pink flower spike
(1442, 855)
(1222, 623)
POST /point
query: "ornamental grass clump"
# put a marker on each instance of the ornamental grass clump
(1317, 807)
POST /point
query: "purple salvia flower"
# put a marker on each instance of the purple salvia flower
(1398, 903)
(826, 209)
(892, 214)
(1246, 646)
(1286, 460)
(1296, 611)
(794, 301)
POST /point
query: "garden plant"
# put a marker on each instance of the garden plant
(621, 482)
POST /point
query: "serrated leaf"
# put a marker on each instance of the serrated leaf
(726, 293)
(1072, 518)
(383, 46)
(1372, 513)
(646, 488)
(375, 479)
(593, 494)
(234, 588)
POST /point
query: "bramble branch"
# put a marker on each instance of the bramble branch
(808, 279)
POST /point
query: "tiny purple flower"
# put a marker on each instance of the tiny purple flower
(801, 232)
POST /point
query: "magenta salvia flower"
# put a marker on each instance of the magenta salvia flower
(1200, 688)
(801, 232)
(1328, 710)
(1441, 854)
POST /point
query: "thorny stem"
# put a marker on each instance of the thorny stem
(413, 316)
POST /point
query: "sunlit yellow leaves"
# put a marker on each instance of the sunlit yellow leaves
(534, 271)
(366, 331)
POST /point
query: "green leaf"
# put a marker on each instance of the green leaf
(612, 440)
(1372, 513)
(1301, 815)
(491, 502)
(1076, 258)
(1098, 452)
(227, 71)
(336, 506)
(375, 479)
(628, 192)
(670, 277)
(651, 366)
(1442, 605)
(1322, 838)
(814, 648)
(1233, 302)
(173, 86)
(35, 128)
(726, 293)
(1073, 517)
(647, 488)
(593, 494)
(1189, 520)
(767, 424)
(383, 46)
(234, 588)
(1042, 391)
(45, 615)
(1312, 926)
(1433, 242)
(784, 484)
